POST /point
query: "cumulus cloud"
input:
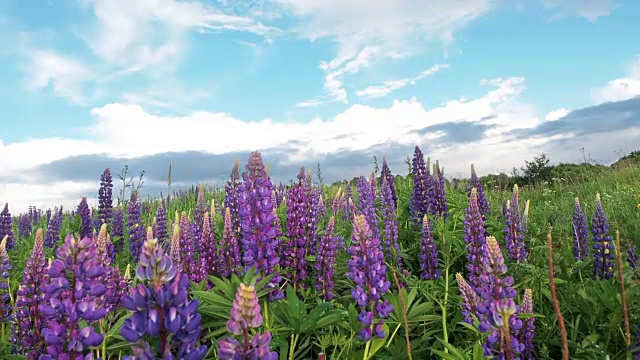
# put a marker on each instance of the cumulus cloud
(390, 86)
(621, 88)
(556, 114)
(496, 131)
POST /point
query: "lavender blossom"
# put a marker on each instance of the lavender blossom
(259, 240)
(349, 205)
(368, 272)
(419, 198)
(513, 231)
(5, 227)
(474, 230)
(428, 253)
(117, 230)
(338, 202)
(136, 228)
(438, 197)
(75, 283)
(313, 217)
(297, 231)
(201, 207)
(603, 252)
(470, 300)
(245, 315)
(231, 199)
(161, 309)
(105, 197)
(5, 270)
(209, 253)
(112, 278)
(632, 257)
(187, 247)
(27, 324)
(485, 208)
(24, 226)
(85, 218)
(229, 256)
(325, 262)
(392, 248)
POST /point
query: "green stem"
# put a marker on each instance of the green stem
(443, 306)
(366, 351)
(104, 341)
(292, 346)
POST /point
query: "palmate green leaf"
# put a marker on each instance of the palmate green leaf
(377, 344)
(454, 353)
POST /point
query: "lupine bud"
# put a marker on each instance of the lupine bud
(117, 230)
(245, 315)
(483, 204)
(419, 201)
(385, 174)
(470, 299)
(602, 243)
(392, 248)
(229, 258)
(526, 334)
(231, 198)
(53, 229)
(297, 232)
(176, 256)
(366, 205)
(209, 253)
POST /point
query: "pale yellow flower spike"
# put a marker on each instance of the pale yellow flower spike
(127, 273)
(102, 239)
(213, 211)
(149, 233)
(3, 247)
(39, 241)
(526, 209)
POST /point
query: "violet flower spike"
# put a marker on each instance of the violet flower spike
(297, 232)
(603, 252)
(136, 228)
(5, 270)
(474, 236)
(470, 300)
(105, 197)
(392, 248)
(429, 264)
(5, 227)
(513, 231)
(580, 233)
(325, 262)
(485, 208)
(85, 217)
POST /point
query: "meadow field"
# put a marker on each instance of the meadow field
(389, 265)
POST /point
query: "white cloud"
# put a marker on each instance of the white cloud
(137, 35)
(368, 31)
(622, 88)
(556, 114)
(65, 76)
(589, 9)
(389, 86)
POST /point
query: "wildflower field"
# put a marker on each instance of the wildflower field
(406, 266)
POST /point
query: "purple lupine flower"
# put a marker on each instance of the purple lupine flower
(48, 216)
(513, 232)
(161, 225)
(580, 233)
(229, 256)
(392, 248)
(175, 250)
(85, 218)
(161, 309)
(112, 278)
(527, 332)
(73, 288)
(24, 226)
(209, 253)
(231, 198)
(602, 243)
(5, 227)
(297, 231)
(385, 174)
(428, 253)
(505, 208)
(325, 262)
(525, 217)
(259, 238)
(494, 287)
(321, 205)
(27, 324)
(485, 209)
(105, 197)
(338, 202)
(5, 270)
(188, 246)
(419, 199)
(474, 236)
(96, 222)
(368, 272)
(438, 197)
(632, 257)
(502, 317)
(201, 207)
(349, 205)
(280, 193)
(470, 300)
(53, 229)
(366, 205)
(245, 315)
(136, 228)
(117, 230)
(456, 183)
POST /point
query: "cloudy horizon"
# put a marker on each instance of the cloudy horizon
(92, 84)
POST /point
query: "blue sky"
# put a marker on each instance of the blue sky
(143, 82)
